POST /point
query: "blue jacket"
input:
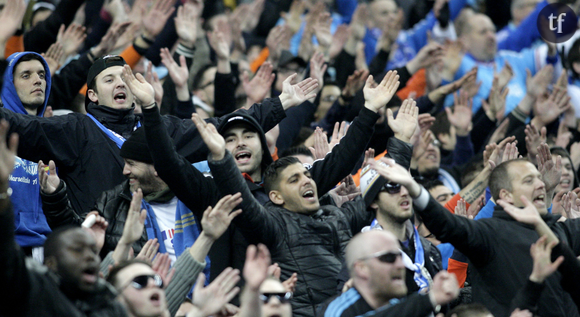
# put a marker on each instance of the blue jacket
(30, 222)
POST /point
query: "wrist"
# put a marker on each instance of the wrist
(412, 67)
(285, 100)
(462, 131)
(371, 107)
(149, 105)
(402, 137)
(536, 278)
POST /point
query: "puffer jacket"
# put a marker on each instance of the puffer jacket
(310, 245)
(113, 205)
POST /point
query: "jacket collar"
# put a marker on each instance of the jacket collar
(106, 114)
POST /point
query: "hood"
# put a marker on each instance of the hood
(10, 98)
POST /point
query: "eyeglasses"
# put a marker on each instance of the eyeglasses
(141, 281)
(282, 297)
(392, 188)
(384, 256)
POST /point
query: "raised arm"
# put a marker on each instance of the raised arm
(256, 223)
(465, 234)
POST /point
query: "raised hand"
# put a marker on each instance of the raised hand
(178, 73)
(564, 135)
(116, 9)
(186, 24)
(430, 54)
(571, 205)
(152, 78)
(135, 222)
(452, 59)
(322, 31)
(551, 170)
(11, 17)
(7, 154)
(97, 229)
(214, 141)
(346, 191)
(534, 139)
(505, 75)
(321, 147)
(259, 87)
(53, 57)
(338, 133)
(141, 89)
(71, 39)
(119, 35)
(541, 252)
(317, 70)
(462, 113)
(420, 147)
(293, 95)
(495, 109)
(339, 38)
(156, 18)
(528, 215)
(219, 43)
(436, 95)
(216, 220)
(406, 122)
(510, 153)
(395, 173)
(537, 85)
(550, 109)
(162, 266)
(47, 177)
(378, 97)
(210, 299)
(293, 17)
(445, 288)
(354, 83)
(256, 266)
(148, 251)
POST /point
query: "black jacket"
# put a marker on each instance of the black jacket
(30, 289)
(499, 249)
(88, 161)
(313, 246)
(113, 205)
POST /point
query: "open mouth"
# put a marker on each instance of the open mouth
(120, 97)
(309, 195)
(155, 299)
(539, 199)
(90, 275)
(405, 204)
(243, 157)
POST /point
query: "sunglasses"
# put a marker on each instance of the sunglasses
(392, 188)
(282, 297)
(385, 256)
(141, 281)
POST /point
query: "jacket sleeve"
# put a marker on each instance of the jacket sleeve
(57, 208)
(570, 270)
(357, 214)
(67, 83)
(44, 33)
(188, 142)
(464, 234)
(296, 118)
(338, 164)
(400, 151)
(528, 297)
(225, 94)
(256, 223)
(186, 271)
(13, 270)
(60, 138)
(190, 186)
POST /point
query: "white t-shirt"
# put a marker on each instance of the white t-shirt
(165, 214)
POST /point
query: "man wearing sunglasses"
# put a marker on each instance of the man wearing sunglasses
(393, 207)
(375, 264)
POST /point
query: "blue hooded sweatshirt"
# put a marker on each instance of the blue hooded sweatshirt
(30, 222)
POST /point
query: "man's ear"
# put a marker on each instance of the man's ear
(505, 195)
(92, 95)
(362, 270)
(276, 197)
(51, 263)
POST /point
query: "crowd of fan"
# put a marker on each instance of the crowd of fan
(278, 158)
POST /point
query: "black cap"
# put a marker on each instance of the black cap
(241, 117)
(136, 148)
(100, 65)
(286, 58)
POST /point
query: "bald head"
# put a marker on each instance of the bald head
(367, 243)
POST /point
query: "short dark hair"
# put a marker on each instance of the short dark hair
(574, 57)
(441, 124)
(112, 278)
(430, 184)
(273, 171)
(29, 57)
(197, 79)
(52, 244)
(468, 310)
(501, 178)
(296, 150)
